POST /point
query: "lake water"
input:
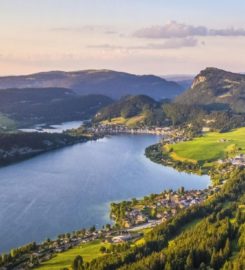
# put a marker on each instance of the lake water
(59, 128)
(72, 188)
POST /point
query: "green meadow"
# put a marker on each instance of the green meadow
(6, 124)
(88, 251)
(130, 122)
(210, 147)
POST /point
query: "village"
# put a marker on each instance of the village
(131, 218)
(122, 129)
(238, 160)
(32, 255)
(170, 134)
(156, 209)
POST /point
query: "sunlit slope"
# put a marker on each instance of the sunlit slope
(212, 146)
(88, 251)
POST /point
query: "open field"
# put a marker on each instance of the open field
(88, 251)
(130, 122)
(211, 147)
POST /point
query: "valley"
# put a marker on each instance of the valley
(122, 135)
(91, 199)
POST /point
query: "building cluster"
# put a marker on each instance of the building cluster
(46, 250)
(121, 129)
(125, 237)
(238, 160)
(161, 207)
(175, 136)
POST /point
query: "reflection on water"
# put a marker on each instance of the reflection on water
(54, 128)
(71, 188)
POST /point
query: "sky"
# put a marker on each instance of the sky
(137, 36)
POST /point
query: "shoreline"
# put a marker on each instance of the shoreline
(26, 152)
(116, 231)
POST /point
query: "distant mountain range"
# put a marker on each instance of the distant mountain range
(54, 97)
(48, 105)
(104, 82)
(216, 88)
(184, 81)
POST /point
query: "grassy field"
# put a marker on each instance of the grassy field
(211, 147)
(130, 122)
(88, 251)
(6, 124)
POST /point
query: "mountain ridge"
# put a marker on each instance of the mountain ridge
(92, 81)
(213, 86)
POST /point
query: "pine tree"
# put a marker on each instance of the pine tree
(227, 249)
(78, 263)
(168, 266)
(190, 260)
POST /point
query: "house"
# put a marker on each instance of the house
(238, 160)
(140, 219)
(121, 238)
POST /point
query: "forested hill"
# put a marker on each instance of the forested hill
(218, 88)
(48, 105)
(127, 107)
(105, 82)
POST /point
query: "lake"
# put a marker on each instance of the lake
(59, 128)
(71, 188)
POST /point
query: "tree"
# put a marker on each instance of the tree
(153, 213)
(190, 261)
(4, 258)
(108, 227)
(181, 190)
(78, 263)
(168, 266)
(92, 229)
(13, 252)
(227, 248)
(134, 201)
(103, 249)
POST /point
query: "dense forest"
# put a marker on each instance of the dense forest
(193, 117)
(18, 146)
(31, 106)
(208, 236)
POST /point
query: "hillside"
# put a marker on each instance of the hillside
(48, 105)
(216, 87)
(19, 146)
(105, 82)
(131, 111)
(126, 107)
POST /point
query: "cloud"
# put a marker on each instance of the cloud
(85, 28)
(229, 32)
(105, 46)
(175, 43)
(110, 32)
(174, 29)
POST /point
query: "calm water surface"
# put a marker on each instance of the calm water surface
(54, 128)
(71, 188)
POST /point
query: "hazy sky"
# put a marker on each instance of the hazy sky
(139, 36)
